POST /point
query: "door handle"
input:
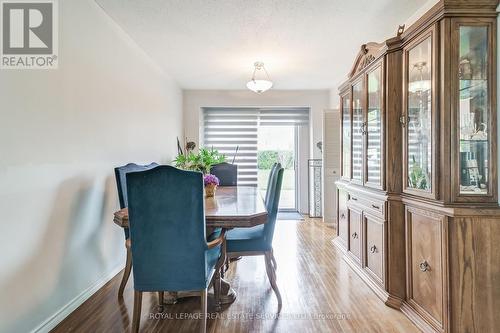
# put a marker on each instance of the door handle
(373, 249)
(424, 266)
(363, 128)
(403, 120)
(354, 235)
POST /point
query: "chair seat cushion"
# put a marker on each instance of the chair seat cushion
(247, 240)
(215, 234)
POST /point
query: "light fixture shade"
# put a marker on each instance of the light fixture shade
(260, 80)
(259, 86)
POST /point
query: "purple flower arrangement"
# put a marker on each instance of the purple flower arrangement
(209, 179)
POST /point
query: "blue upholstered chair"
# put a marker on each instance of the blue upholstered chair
(167, 232)
(121, 184)
(275, 167)
(226, 172)
(270, 180)
(259, 240)
(266, 201)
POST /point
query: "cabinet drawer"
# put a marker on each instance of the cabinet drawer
(426, 289)
(343, 218)
(374, 247)
(374, 206)
(355, 233)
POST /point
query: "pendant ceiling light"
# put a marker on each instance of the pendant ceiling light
(260, 81)
(421, 84)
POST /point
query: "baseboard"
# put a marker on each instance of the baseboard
(418, 320)
(57, 317)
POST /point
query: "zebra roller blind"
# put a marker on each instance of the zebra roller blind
(227, 129)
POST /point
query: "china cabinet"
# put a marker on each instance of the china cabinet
(370, 102)
(418, 215)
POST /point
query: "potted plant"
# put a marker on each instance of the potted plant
(211, 182)
(202, 161)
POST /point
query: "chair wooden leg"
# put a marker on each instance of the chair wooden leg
(273, 260)
(203, 328)
(160, 300)
(136, 319)
(271, 274)
(126, 273)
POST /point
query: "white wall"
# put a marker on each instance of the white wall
(331, 163)
(317, 100)
(62, 132)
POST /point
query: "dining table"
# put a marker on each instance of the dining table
(230, 207)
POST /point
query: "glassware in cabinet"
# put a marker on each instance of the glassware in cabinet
(474, 109)
(418, 120)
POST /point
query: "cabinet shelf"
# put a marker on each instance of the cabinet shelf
(474, 141)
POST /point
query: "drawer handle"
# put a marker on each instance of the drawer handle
(376, 207)
(424, 266)
(355, 235)
(373, 249)
(354, 198)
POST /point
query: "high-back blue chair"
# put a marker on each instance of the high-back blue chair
(226, 172)
(258, 240)
(266, 201)
(121, 184)
(167, 232)
(270, 180)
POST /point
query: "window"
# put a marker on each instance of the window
(234, 132)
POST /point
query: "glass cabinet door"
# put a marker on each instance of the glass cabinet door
(418, 122)
(474, 110)
(346, 136)
(357, 131)
(374, 128)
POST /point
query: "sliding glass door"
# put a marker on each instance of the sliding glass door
(254, 139)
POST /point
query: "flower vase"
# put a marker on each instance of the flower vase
(210, 190)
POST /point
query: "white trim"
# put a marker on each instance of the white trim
(66, 310)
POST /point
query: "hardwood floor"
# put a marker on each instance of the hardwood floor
(320, 294)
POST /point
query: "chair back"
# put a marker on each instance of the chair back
(167, 229)
(272, 206)
(270, 180)
(121, 183)
(226, 172)
(121, 180)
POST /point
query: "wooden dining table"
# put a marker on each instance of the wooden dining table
(231, 207)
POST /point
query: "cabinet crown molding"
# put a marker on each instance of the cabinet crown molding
(368, 53)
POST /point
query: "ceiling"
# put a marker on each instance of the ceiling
(212, 44)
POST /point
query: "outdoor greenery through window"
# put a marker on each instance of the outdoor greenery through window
(277, 144)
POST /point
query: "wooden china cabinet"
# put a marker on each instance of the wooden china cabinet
(418, 214)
